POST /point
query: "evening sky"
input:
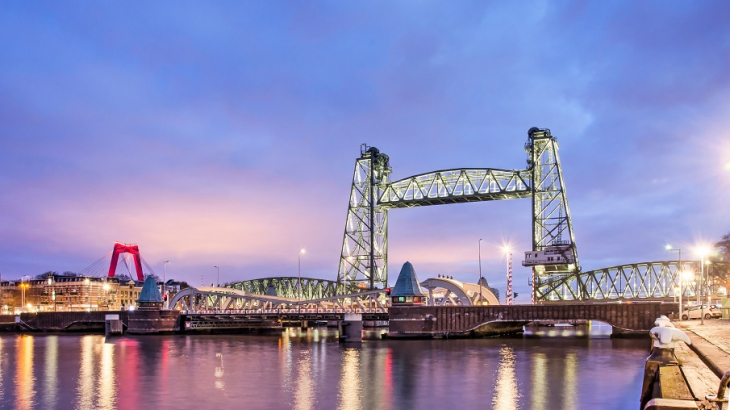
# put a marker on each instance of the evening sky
(225, 133)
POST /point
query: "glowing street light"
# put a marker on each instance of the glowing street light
(164, 280)
(481, 302)
(88, 294)
(508, 252)
(702, 251)
(217, 278)
(679, 274)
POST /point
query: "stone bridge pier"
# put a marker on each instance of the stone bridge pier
(452, 321)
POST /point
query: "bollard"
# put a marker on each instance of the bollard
(664, 337)
(720, 398)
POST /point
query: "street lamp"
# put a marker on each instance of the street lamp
(23, 286)
(679, 274)
(218, 278)
(164, 281)
(88, 293)
(299, 273)
(702, 251)
(508, 252)
(481, 302)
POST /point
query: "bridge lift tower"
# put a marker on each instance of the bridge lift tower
(364, 256)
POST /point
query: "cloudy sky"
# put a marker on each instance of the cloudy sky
(225, 132)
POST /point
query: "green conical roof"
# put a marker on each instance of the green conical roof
(150, 293)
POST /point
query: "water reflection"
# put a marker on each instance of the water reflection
(350, 386)
(107, 378)
(312, 370)
(539, 381)
(220, 384)
(85, 390)
(24, 378)
(570, 382)
(51, 373)
(506, 395)
(304, 393)
(2, 388)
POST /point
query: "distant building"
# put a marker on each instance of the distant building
(62, 293)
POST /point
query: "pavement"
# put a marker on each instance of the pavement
(711, 342)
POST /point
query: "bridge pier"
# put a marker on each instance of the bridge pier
(351, 328)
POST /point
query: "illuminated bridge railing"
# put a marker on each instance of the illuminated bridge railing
(638, 281)
(456, 186)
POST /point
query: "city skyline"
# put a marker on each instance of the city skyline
(226, 135)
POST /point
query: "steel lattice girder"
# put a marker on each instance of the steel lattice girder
(456, 186)
(363, 259)
(288, 287)
(551, 219)
(647, 280)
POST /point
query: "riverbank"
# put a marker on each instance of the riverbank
(708, 357)
(710, 341)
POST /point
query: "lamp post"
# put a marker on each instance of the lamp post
(164, 282)
(508, 252)
(480, 273)
(679, 275)
(218, 277)
(53, 292)
(23, 285)
(702, 251)
(88, 293)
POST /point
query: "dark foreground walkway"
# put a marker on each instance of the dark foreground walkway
(708, 358)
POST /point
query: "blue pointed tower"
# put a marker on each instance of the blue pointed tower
(149, 297)
(407, 291)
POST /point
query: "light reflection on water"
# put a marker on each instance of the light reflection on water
(311, 370)
(24, 379)
(51, 373)
(506, 395)
(350, 384)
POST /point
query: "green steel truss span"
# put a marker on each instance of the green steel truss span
(364, 255)
(456, 186)
(637, 281)
(288, 287)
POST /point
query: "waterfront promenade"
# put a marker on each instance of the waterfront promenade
(708, 358)
(710, 341)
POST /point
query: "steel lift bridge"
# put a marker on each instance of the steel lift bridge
(556, 272)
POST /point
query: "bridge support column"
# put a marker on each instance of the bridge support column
(351, 328)
(113, 325)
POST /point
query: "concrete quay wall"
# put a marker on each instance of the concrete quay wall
(59, 321)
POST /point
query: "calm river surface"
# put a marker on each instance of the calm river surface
(311, 370)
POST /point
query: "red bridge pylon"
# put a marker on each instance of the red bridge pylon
(120, 248)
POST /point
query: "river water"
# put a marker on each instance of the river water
(548, 368)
